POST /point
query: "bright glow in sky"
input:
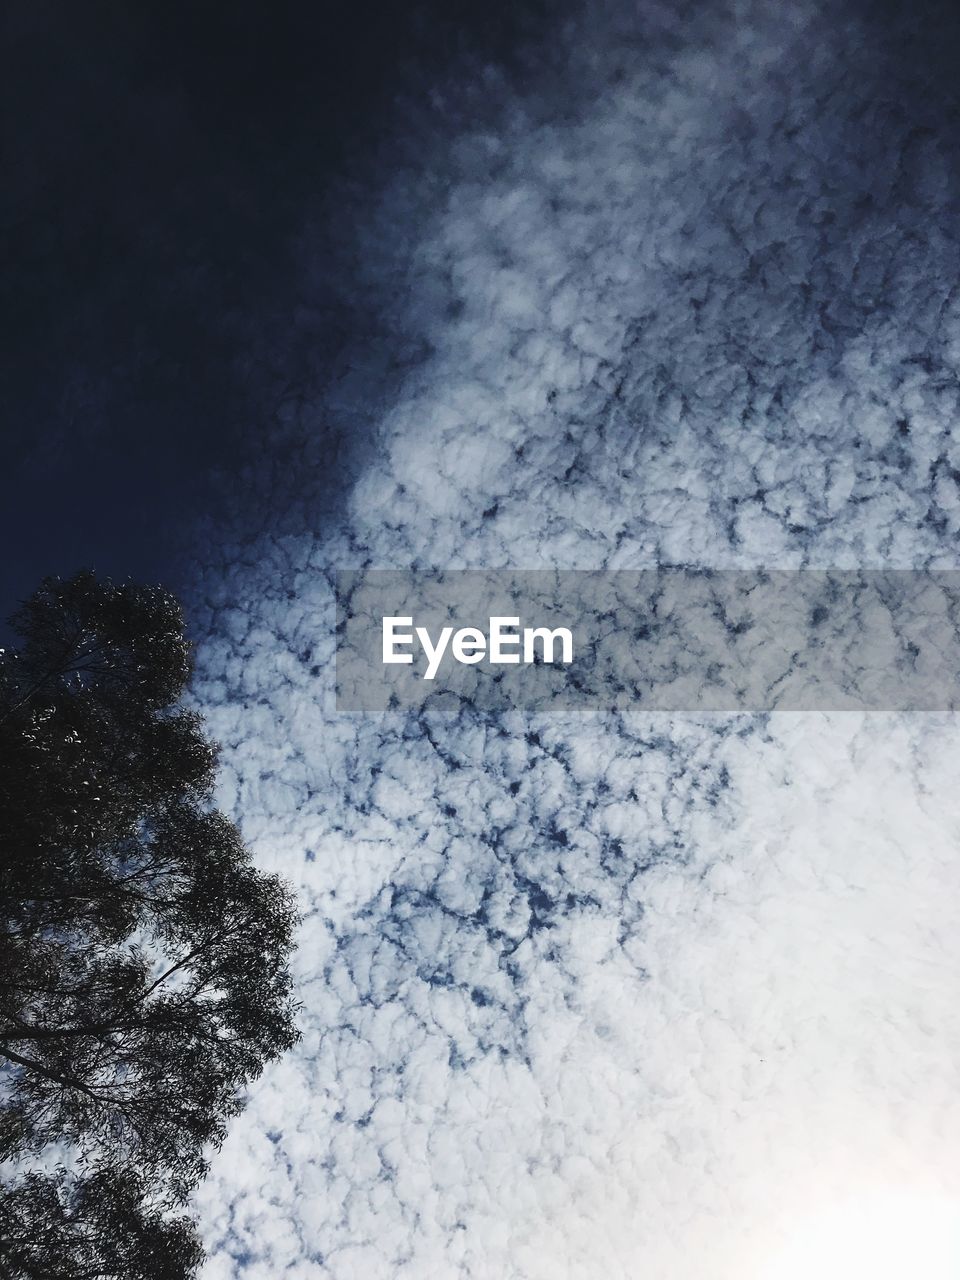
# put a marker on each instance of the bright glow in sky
(892, 1235)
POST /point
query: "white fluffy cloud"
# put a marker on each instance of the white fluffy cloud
(606, 995)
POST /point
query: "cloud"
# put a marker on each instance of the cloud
(610, 994)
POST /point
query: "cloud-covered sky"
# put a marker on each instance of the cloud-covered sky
(614, 994)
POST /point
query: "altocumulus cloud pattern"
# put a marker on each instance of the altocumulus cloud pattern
(609, 994)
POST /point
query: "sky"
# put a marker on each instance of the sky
(600, 994)
(162, 164)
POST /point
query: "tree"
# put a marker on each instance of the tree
(103, 1226)
(143, 958)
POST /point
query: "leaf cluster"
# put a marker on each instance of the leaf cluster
(144, 976)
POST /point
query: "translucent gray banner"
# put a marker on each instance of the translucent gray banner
(667, 640)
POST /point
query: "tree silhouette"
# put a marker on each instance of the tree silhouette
(143, 958)
(103, 1226)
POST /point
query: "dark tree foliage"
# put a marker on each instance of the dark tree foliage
(143, 958)
(104, 1226)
